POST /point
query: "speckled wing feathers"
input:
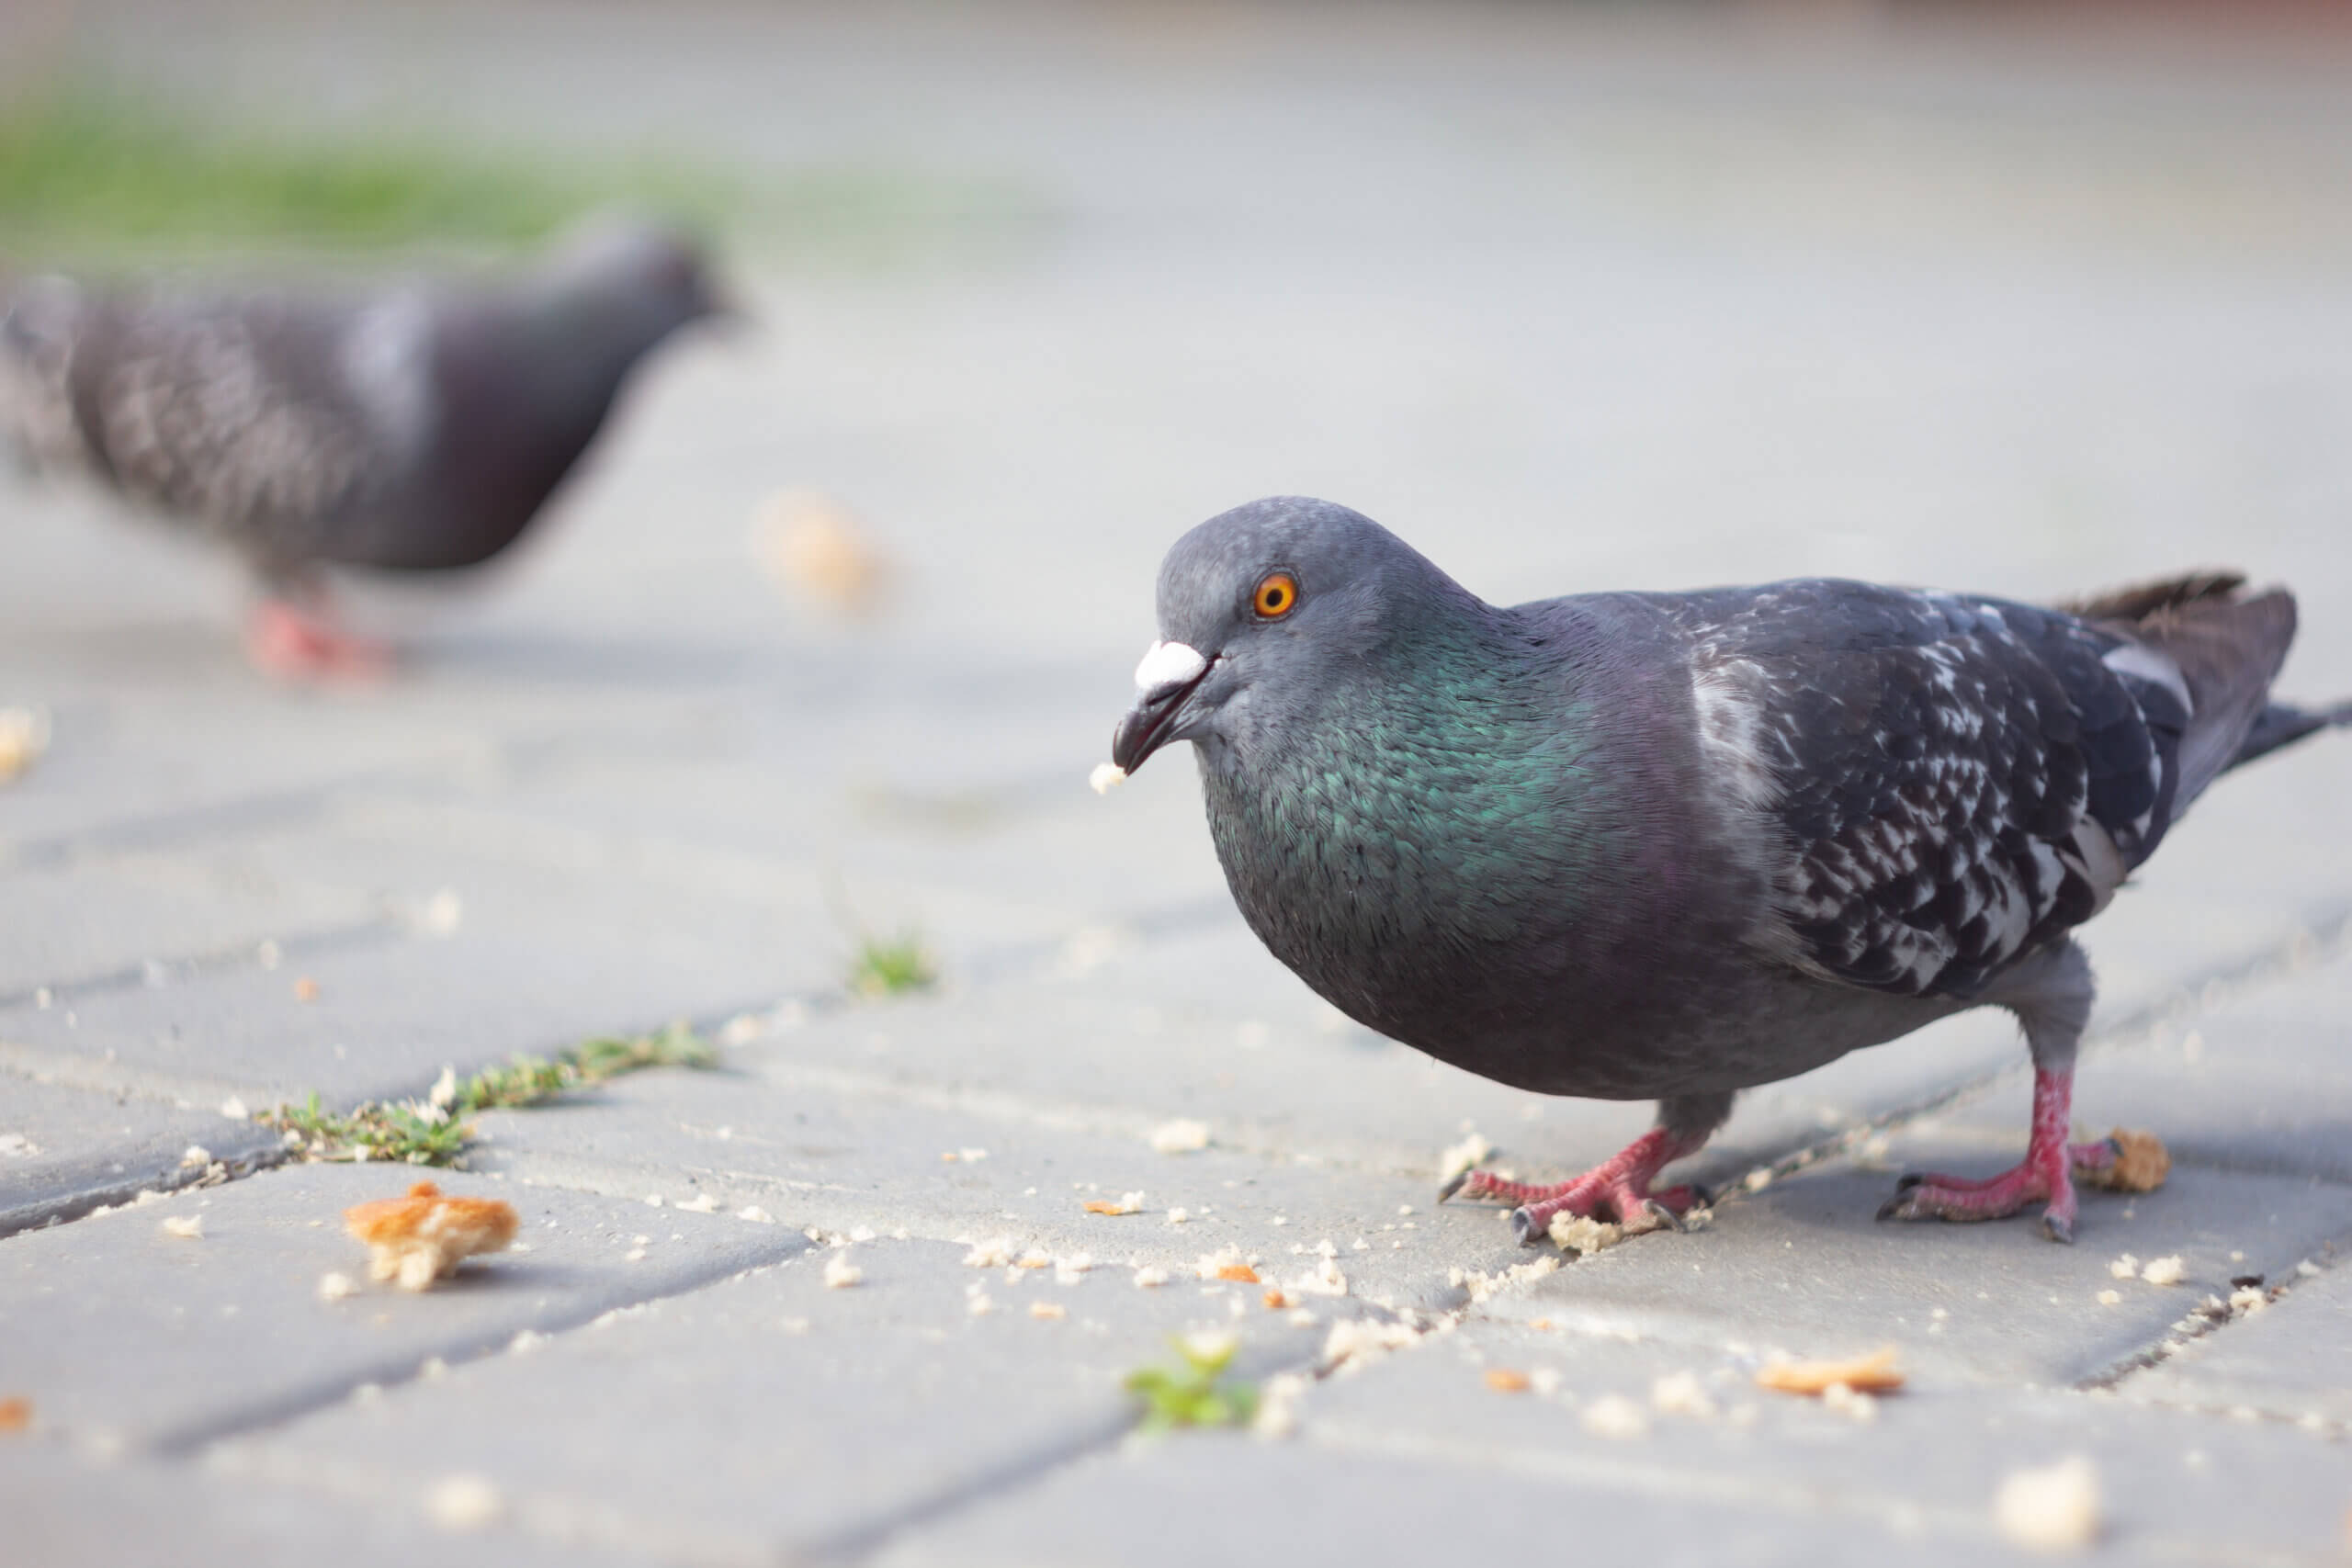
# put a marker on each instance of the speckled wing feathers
(1956, 780)
(240, 416)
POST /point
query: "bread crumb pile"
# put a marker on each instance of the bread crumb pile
(423, 1236)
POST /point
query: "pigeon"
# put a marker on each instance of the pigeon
(413, 430)
(1671, 846)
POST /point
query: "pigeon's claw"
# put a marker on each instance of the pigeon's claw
(292, 642)
(2045, 1175)
(1618, 1189)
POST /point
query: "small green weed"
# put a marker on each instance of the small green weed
(437, 1130)
(891, 968)
(1194, 1393)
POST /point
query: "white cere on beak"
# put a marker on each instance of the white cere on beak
(1106, 777)
(1168, 663)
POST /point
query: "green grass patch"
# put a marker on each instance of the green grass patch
(891, 966)
(90, 173)
(1195, 1391)
(437, 1129)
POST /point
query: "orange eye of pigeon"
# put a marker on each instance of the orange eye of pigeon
(1276, 595)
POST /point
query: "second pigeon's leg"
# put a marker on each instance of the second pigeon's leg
(291, 640)
(2052, 1002)
(1619, 1188)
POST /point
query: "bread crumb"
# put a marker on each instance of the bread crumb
(1847, 1400)
(2164, 1270)
(2109, 1298)
(1128, 1203)
(1356, 1340)
(700, 1203)
(1273, 1299)
(978, 1304)
(1546, 1381)
(337, 1286)
(464, 1503)
(2053, 1508)
(1875, 1372)
(1035, 1258)
(1324, 1279)
(1069, 1269)
(1502, 1379)
(1178, 1216)
(16, 1413)
(423, 1236)
(1278, 1405)
(1758, 1178)
(1181, 1136)
(2125, 1267)
(1614, 1416)
(188, 1227)
(841, 1273)
(24, 735)
(1106, 777)
(196, 1155)
(1581, 1234)
(306, 989)
(755, 1215)
(1464, 1155)
(1679, 1393)
(1151, 1278)
(2141, 1164)
(1239, 1274)
(815, 547)
(2248, 1298)
(1042, 1308)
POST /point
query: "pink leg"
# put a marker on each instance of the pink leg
(1618, 1189)
(2046, 1173)
(294, 642)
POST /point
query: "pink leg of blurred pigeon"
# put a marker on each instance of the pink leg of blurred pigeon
(294, 642)
(1618, 1189)
(2046, 1173)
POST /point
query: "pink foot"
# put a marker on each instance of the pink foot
(2046, 1174)
(1618, 1189)
(292, 643)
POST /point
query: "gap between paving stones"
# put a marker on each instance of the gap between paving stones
(378, 929)
(185, 1440)
(2200, 1323)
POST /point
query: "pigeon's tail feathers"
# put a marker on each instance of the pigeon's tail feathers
(2227, 647)
(2283, 724)
(2143, 600)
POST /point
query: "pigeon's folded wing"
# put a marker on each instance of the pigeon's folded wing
(244, 417)
(1953, 781)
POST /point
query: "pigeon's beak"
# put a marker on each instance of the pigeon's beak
(1169, 673)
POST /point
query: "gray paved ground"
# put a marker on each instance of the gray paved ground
(1575, 301)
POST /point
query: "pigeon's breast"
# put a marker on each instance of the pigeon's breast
(1502, 888)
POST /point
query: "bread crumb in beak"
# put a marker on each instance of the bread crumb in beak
(1106, 777)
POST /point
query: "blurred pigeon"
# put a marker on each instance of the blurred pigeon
(1672, 845)
(415, 430)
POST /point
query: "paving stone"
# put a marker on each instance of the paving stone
(65, 1150)
(67, 1508)
(814, 1150)
(130, 916)
(794, 1418)
(128, 1337)
(1417, 1446)
(1802, 1266)
(2288, 1359)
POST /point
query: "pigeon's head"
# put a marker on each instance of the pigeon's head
(1263, 611)
(642, 280)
